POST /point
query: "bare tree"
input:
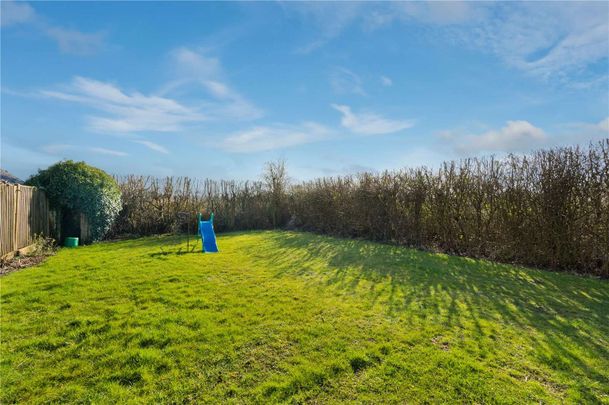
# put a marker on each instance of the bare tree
(275, 178)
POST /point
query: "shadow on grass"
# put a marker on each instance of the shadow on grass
(170, 244)
(172, 250)
(167, 241)
(178, 252)
(570, 313)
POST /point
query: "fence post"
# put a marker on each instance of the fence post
(16, 219)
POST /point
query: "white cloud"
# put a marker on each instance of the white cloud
(276, 136)
(445, 12)
(201, 80)
(344, 81)
(196, 72)
(105, 151)
(71, 41)
(333, 18)
(604, 125)
(577, 132)
(368, 123)
(191, 63)
(68, 40)
(152, 146)
(549, 40)
(13, 12)
(128, 112)
(386, 81)
(515, 136)
(58, 149)
(431, 12)
(556, 41)
(218, 89)
(522, 136)
(21, 160)
(330, 19)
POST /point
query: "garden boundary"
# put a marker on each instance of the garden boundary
(24, 213)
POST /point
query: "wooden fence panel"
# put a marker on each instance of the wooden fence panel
(7, 218)
(24, 213)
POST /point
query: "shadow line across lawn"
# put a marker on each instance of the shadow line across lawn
(562, 314)
(285, 316)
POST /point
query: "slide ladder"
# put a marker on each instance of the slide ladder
(208, 236)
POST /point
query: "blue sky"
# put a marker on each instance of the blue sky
(217, 89)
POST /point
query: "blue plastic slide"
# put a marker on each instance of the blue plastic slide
(208, 236)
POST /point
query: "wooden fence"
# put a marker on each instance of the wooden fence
(24, 213)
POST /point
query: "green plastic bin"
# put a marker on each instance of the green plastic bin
(71, 242)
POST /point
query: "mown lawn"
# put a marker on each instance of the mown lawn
(293, 317)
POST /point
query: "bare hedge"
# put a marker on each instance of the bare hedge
(151, 205)
(547, 209)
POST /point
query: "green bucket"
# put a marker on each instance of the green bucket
(71, 242)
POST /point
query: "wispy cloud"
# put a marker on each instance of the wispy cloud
(201, 81)
(344, 81)
(58, 149)
(262, 138)
(369, 123)
(330, 18)
(523, 136)
(558, 41)
(126, 112)
(333, 18)
(281, 135)
(152, 146)
(515, 136)
(68, 40)
(15, 13)
(586, 131)
(72, 41)
(203, 78)
(428, 12)
(22, 160)
(195, 64)
(105, 151)
(551, 40)
(386, 81)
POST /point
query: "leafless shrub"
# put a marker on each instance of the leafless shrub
(548, 209)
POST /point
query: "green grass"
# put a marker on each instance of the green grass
(292, 317)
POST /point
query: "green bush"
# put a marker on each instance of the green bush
(79, 187)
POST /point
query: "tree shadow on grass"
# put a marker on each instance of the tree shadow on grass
(141, 242)
(175, 251)
(168, 243)
(570, 313)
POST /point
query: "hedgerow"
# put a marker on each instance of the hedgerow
(547, 209)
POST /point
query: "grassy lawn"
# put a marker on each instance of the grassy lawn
(283, 316)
